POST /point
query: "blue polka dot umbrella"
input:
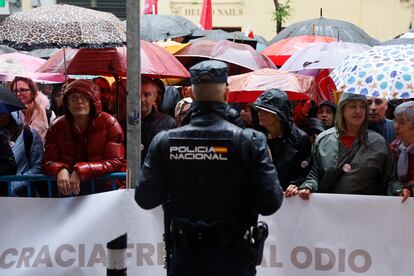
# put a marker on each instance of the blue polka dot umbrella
(384, 72)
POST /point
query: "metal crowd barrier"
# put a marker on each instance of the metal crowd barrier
(50, 181)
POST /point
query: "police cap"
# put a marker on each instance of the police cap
(209, 71)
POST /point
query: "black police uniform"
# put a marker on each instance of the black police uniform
(216, 178)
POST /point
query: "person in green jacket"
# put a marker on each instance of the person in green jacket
(349, 158)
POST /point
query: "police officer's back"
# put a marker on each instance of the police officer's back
(216, 178)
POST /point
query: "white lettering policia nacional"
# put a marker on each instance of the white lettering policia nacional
(198, 153)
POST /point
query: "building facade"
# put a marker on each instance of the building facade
(382, 19)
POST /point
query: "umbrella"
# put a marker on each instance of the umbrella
(18, 64)
(385, 72)
(172, 47)
(43, 53)
(399, 41)
(319, 59)
(260, 39)
(9, 102)
(409, 34)
(58, 26)
(262, 43)
(155, 62)
(160, 27)
(240, 57)
(282, 50)
(322, 55)
(217, 35)
(247, 87)
(7, 50)
(341, 30)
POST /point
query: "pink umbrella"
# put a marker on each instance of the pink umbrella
(22, 65)
(241, 58)
(247, 87)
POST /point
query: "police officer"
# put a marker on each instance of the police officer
(216, 179)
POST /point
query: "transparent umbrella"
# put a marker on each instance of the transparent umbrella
(341, 30)
(323, 55)
(160, 27)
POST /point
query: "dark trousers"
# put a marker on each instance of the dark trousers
(223, 261)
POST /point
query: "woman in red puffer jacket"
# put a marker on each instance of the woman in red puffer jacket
(83, 144)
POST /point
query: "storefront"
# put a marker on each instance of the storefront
(117, 7)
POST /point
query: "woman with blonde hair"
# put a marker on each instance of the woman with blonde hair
(349, 158)
(36, 114)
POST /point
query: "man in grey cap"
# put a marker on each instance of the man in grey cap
(229, 180)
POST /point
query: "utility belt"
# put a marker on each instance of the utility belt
(194, 234)
(188, 234)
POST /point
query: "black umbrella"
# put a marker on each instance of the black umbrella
(341, 30)
(160, 27)
(8, 101)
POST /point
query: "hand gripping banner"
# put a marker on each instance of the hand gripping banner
(108, 234)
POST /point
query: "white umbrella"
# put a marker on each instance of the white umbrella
(385, 72)
(22, 65)
(323, 55)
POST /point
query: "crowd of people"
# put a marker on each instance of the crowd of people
(72, 140)
(238, 160)
(75, 132)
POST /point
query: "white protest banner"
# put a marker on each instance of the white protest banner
(65, 236)
(329, 234)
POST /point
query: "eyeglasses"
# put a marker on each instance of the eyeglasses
(21, 90)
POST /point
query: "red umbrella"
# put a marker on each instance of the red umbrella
(247, 87)
(155, 62)
(280, 51)
(241, 58)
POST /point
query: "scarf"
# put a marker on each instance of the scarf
(402, 165)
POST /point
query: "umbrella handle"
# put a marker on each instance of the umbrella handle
(117, 80)
(64, 64)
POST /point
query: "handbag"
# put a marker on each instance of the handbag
(333, 174)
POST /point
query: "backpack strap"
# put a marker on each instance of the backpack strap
(28, 141)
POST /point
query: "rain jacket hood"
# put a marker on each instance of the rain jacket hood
(313, 124)
(276, 101)
(339, 118)
(88, 88)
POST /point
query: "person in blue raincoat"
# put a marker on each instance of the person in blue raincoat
(27, 147)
